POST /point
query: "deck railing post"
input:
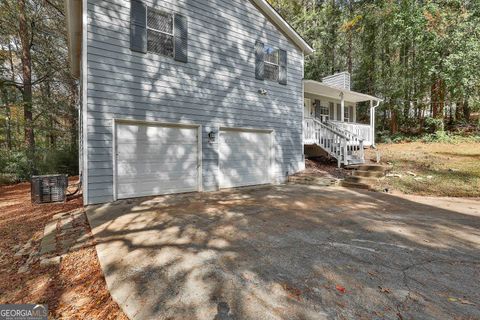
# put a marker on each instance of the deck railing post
(345, 151)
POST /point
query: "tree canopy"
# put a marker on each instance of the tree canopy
(421, 56)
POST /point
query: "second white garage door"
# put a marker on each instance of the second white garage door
(245, 158)
(155, 159)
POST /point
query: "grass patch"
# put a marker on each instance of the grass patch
(441, 169)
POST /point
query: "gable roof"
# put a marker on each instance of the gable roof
(73, 14)
(267, 10)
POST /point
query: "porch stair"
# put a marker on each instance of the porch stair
(363, 176)
(345, 147)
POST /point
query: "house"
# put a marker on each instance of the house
(185, 95)
(330, 119)
(191, 95)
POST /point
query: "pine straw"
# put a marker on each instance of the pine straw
(323, 167)
(75, 289)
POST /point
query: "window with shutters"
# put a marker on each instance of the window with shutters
(272, 66)
(160, 37)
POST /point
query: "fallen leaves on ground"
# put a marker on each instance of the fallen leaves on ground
(75, 289)
(293, 292)
(384, 290)
(340, 288)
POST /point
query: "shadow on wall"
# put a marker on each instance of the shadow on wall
(217, 86)
(275, 252)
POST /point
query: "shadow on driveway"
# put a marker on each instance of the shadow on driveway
(287, 252)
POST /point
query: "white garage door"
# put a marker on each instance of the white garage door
(245, 158)
(154, 160)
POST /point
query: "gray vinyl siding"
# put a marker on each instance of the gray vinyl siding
(340, 80)
(216, 88)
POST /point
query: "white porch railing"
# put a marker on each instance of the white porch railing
(363, 131)
(346, 148)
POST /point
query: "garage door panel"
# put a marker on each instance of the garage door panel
(242, 171)
(163, 176)
(155, 159)
(260, 164)
(241, 181)
(156, 148)
(156, 190)
(134, 132)
(244, 158)
(157, 187)
(171, 167)
(244, 137)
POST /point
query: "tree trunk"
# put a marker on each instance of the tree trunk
(73, 117)
(25, 39)
(438, 98)
(466, 110)
(459, 111)
(394, 122)
(350, 40)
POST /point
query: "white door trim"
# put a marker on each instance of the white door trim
(117, 121)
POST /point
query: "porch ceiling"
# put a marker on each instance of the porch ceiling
(319, 88)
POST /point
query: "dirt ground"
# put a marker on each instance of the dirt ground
(291, 252)
(434, 169)
(74, 289)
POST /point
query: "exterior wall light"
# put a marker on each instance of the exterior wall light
(211, 136)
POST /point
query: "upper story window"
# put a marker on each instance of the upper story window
(160, 36)
(272, 66)
(270, 63)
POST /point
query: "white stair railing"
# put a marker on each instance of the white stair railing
(347, 148)
(361, 130)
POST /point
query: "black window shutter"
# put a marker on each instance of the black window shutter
(259, 61)
(318, 110)
(138, 26)
(350, 114)
(282, 72)
(181, 38)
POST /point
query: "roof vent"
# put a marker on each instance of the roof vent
(340, 80)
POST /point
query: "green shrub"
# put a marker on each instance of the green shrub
(15, 167)
(433, 125)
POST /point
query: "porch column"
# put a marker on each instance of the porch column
(354, 114)
(372, 123)
(342, 107)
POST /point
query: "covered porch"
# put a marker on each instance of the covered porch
(337, 108)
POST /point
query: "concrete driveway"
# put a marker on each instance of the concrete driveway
(291, 252)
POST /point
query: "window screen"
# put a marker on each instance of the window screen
(271, 64)
(160, 32)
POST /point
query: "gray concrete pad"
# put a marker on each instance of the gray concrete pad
(291, 252)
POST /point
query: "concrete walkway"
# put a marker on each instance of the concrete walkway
(291, 252)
